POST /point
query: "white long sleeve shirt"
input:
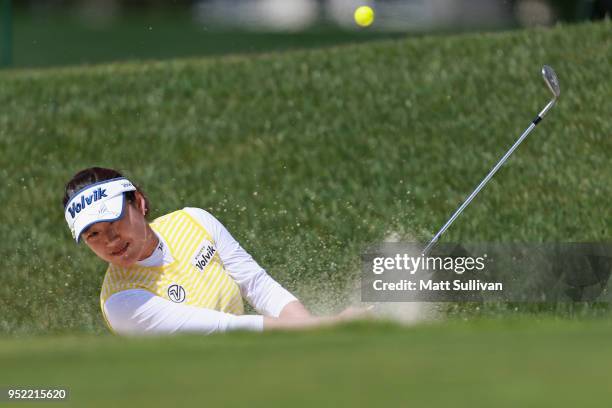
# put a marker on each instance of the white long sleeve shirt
(138, 311)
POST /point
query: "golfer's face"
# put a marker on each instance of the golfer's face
(119, 242)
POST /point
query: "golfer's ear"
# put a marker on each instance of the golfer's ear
(141, 203)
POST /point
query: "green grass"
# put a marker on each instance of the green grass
(307, 156)
(481, 364)
(62, 39)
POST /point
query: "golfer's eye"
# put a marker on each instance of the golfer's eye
(92, 234)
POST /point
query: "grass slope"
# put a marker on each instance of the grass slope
(483, 364)
(59, 39)
(307, 156)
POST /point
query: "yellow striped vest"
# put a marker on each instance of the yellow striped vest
(196, 277)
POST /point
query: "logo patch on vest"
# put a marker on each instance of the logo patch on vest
(203, 255)
(176, 293)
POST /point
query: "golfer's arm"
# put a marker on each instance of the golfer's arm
(294, 309)
(280, 323)
(140, 312)
(265, 294)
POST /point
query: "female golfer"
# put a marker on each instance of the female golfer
(183, 272)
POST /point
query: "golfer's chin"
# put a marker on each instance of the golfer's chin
(128, 258)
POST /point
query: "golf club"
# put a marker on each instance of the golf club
(553, 84)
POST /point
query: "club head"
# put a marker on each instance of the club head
(551, 80)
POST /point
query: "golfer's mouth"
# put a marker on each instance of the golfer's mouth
(121, 250)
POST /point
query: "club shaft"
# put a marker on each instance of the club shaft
(487, 178)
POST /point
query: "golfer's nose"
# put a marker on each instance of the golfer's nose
(111, 233)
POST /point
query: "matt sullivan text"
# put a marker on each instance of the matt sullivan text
(431, 285)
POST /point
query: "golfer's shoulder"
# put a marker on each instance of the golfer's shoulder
(190, 213)
(114, 274)
(202, 217)
(186, 216)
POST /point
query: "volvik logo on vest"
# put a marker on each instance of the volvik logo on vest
(176, 293)
(203, 255)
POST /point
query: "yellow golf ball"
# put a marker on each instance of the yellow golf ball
(364, 16)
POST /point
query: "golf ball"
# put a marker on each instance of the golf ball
(364, 16)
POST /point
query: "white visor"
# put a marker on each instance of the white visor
(97, 202)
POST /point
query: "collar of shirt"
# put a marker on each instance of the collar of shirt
(161, 255)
